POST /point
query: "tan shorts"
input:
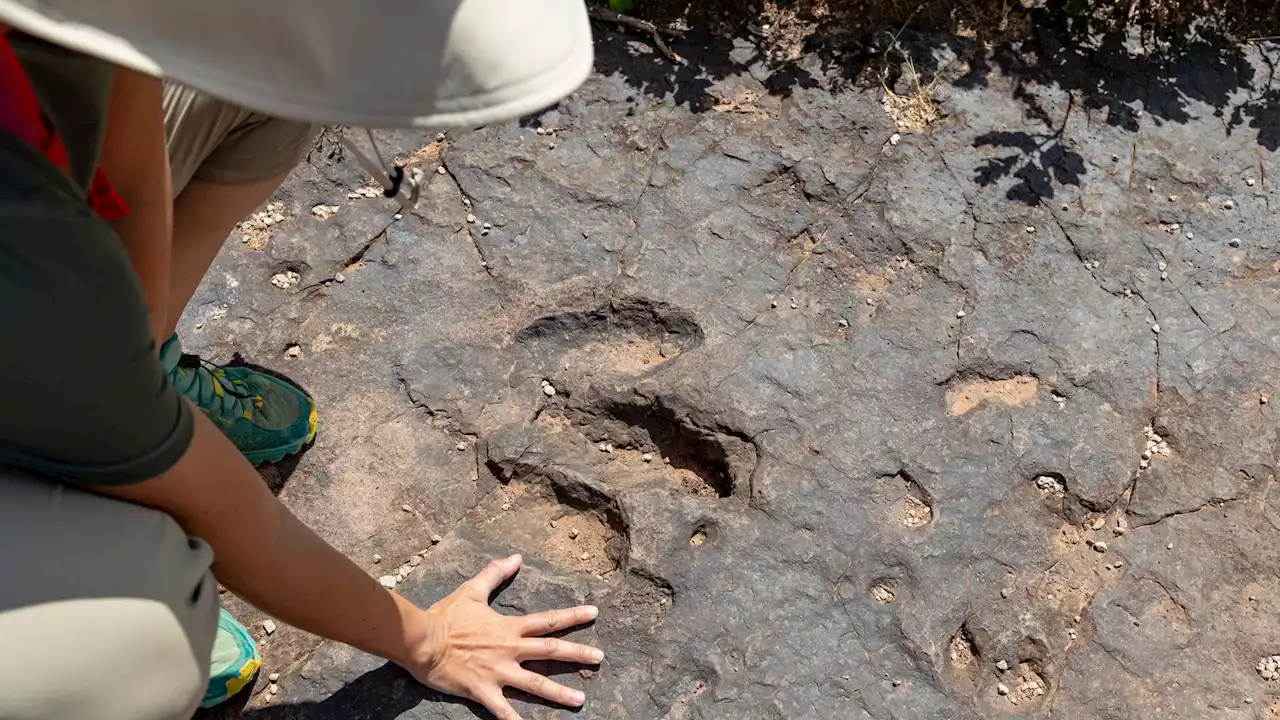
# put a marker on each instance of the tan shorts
(221, 143)
(107, 609)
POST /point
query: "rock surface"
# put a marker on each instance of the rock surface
(859, 415)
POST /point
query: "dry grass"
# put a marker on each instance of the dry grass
(916, 110)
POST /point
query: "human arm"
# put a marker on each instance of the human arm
(135, 160)
(266, 555)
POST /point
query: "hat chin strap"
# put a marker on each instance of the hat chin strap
(395, 182)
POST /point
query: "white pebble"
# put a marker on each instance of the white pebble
(894, 139)
(1164, 266)
(273, 688)
(1002, 689)
(548, 390)
(842, 323)
(388, 581)
(377, 558)
(441, 170)
(960, 313)
(573, 533)
(1002, 665)
(1228, 205)
(1100, 546)
(397, 216)
(273, 677)
(415, 561)
(471, 218)
(1234, 242)
(1156, 328)
(584, 556)
(647, 457)
(793, 305)
(436, 539)
(773, 303)
(487, 226)
(1169, 546)
(1249, 182)
(1031, 228)
(339, 277)
(407, 508)
(1191, 236)
(506, 507)
(461, 446)
(1164, 276)
(269, 626)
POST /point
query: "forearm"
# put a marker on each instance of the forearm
(136, 161)
(268, 557)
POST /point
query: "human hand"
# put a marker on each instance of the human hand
(472, 651)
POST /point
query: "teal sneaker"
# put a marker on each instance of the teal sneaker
(266, 418)
(234, 662)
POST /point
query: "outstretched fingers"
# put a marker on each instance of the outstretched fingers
(555, 649)
(536, 684)
(496, 703)
(554, 620)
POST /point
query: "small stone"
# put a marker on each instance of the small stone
(1100, 546)
(870, 301)
(1115, 158)
(388, 581)
(407, 508)
(1004, 592)
(1234, 242)
(273, 677)
(793, 305)
(269, 626)
(1119, 531)
(435, 539)
(471, 218)
(1002, 689)
(461, 446)
(584, 556)
(1228, 205)
(1119, 564)
(1143, 464)
(339, 277)
(1031, 228)
(397, 216)
(541, 131)
(1249, 182)
(506, 507)
(440, 170)
(897, 683)
(1137, 623)
(484, 233)
(1173, 198)
(292, 351)
(439, 136)
(773, 304)
(1076, 619)
(1002, 665)
(415, 561)
(1164, 266)
(842, 323)
(647, 457)
(548, 390)
(573, 533)
(377, 558)
(1156, 328)
(199, 325)
(1263, 399)
(894, 139)
(1191, 236)
(1107, 566)
(960, 313)
(273, 688)
(1169, 546)
(487, 226)
(1097, 524)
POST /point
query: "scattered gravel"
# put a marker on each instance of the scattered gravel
(1048, 484)
(388, 581)
(269, 626)
(286, 279)
(323, 212)
(1269, 667)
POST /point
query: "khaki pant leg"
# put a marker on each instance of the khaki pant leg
(107, 609)
(222, 143)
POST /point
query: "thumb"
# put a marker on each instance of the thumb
(494, 574)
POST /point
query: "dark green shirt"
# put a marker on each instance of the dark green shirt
(82, 394)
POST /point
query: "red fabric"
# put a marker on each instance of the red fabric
(20, 114)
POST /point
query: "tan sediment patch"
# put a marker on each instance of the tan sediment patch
(966, 395)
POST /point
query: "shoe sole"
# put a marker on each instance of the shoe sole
(261, 457)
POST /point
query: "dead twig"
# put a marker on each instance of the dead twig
(604, 15)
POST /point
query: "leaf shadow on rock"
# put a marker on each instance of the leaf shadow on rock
(1122, 74)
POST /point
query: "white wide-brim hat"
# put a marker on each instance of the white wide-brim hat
(437, 64)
